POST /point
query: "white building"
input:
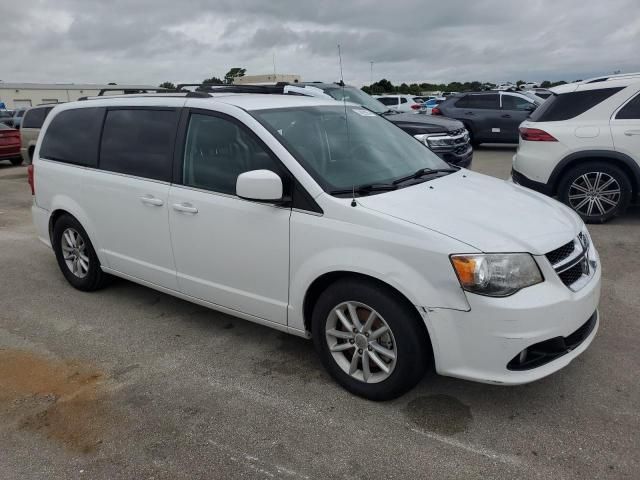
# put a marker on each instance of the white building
(17, 95)
(268, 78)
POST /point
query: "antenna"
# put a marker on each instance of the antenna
(346, 118)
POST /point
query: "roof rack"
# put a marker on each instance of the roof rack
(277, 88)
(131, 91)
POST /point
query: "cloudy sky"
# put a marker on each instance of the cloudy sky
(150, 41)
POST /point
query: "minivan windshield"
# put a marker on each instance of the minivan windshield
(355, 95)
(347, 152)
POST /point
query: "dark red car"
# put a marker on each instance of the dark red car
(10, 144)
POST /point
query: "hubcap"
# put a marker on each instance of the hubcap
(74, 253)
(594, 193)
(361, 342)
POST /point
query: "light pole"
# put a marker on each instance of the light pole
(371, 75)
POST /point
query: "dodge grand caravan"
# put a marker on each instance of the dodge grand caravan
(322, 220)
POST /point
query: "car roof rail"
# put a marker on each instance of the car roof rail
(617, 76)
(131, 91)
(277, 88)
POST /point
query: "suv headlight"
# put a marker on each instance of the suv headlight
(431, 140)
(496, 275)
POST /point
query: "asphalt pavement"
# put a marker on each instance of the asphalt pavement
(128, 382)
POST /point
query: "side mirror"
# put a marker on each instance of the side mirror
(259, 185)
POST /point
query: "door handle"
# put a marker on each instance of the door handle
(628, 133)
(468, 113)
(151, 200)
(506, 115)
(185, 208)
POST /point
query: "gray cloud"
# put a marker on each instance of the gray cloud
(151, 41)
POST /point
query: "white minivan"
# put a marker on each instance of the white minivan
(323, 220)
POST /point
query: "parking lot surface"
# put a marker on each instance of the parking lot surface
(128, 382)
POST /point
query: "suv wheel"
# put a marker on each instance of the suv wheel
(596, 191)
(16, 161)
(369, 340)
(75, 254)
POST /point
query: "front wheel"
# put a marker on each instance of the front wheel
(597, 191)
(369, 340)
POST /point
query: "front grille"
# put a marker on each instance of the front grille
(560, 253)
(572, 263)
(572, 275)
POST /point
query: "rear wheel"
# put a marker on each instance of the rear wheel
(596, 191)
(472, 140)
(75, 254)
(369, 340)
(16, 161)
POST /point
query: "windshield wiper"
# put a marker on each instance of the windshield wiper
(422, 172)
(366, 189)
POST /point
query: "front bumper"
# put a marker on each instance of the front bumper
(521, 179)
(456, 156)
(481, 344)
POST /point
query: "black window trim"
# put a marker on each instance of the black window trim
(172, 148)
(289, 181)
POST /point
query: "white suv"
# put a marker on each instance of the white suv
(583, 146)
(401, 103)
(323, 220)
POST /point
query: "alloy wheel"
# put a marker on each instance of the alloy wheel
(594, 193)
(74, 251)
(361, 342)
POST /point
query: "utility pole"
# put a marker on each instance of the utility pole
(371, 75)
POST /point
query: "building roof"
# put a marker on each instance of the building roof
(70, 86)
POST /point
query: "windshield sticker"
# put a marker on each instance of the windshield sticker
(364, 113)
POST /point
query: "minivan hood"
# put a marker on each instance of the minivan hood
(484, 212)
(419, 123)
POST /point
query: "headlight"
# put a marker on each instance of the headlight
(431, 140)
(496, 275)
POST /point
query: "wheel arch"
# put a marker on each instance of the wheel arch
(321, 283)
(64, 205)
(626, 163)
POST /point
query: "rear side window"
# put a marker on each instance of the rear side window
(139, 142)
(403, 100)
(389, 100)
(73, 137)
(486, 101)
(631, 111)
(34, 118)
(570, 105)
(511, 102)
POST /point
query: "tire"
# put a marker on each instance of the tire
(406, 339)
(16, 161)
(474, 143)
(67, 231)
(580, 188)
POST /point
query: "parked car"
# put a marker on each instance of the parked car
(6, 116)
(583, 146)
(490, 117)
(429, 105)
(423, 99)
(528, 86)
(16, 120)
(401, 103)
(31, 125)
(10, 144)
(543, 93)
(322, 220)
(446, 137)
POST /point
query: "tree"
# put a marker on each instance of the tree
(167, 85)
(520, 82)
(213, 80)
(545, 84)
(235, 72)
(112, 83)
